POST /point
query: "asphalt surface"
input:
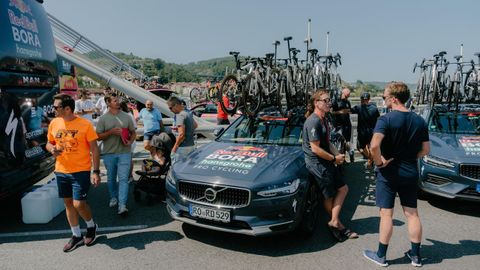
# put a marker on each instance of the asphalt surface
(149, 239)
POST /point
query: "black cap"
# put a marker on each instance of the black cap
(365, 95)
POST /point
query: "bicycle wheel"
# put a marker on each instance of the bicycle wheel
(230, 89)
(283, 97)
(195, 95)
(213, 94)
(421, 90)
(252, 96)
(444, 89)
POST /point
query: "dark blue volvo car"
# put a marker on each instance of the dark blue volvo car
(452, 168)
(251, 180)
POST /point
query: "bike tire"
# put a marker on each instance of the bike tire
(195, 95)
(252, 100)
(283, 97)
(232, 92)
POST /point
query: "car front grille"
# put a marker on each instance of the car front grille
(470, 192)
(437, 180)
(225, 196)
(470, 171)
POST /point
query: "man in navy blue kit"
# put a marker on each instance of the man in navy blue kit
(400, 137)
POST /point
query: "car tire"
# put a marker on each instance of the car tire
(311, 211)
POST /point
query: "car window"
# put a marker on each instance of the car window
(211, 108)
(455, 123)
(263, 131)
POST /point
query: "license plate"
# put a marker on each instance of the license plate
(478, 187)
(210, 213)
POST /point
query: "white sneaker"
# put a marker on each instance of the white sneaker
(122, 210)
(113, 202)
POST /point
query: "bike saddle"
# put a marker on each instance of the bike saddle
(442, 53)
(276, 42)
(234, 53)
(287, 38)
(269, 55)
(457, 57)
(314, 51)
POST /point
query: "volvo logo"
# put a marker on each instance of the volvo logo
(210, 194)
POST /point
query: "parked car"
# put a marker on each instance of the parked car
(208, 112)
(452, 168)
(251, 180)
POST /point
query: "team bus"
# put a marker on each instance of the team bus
(28, 81)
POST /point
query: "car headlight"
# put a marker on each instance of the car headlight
(283, 189)
(170, 178)
(438, 162)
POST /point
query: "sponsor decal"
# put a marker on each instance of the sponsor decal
(471, 145)
(234, 159)
(24, 29)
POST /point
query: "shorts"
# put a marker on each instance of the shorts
(346, 132)
(147, 136)
(386, 190)
(73, 185)
(328, 178)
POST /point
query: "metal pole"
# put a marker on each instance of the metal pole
(326, 50)
(309, 38)
(461, 51)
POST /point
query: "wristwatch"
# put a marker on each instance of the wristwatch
(334, 159)
(96, 171)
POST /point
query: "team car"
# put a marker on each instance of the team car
(250, 180)
(452, 168)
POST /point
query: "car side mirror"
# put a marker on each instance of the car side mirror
(218, 131)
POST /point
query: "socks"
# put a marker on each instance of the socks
(415, 249)
(90, 223)
(382, 250)
(76, 231)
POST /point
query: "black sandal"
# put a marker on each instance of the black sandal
(349, 234)
(337, 234)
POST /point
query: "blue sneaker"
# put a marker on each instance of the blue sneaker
(416, 260)
(372, 256)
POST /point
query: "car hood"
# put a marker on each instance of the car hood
(241, 164)
(459, 148)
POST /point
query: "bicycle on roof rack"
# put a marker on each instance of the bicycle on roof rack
(435, 86)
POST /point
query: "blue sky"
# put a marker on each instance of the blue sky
(379, 40)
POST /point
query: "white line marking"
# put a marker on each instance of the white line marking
(53, 232)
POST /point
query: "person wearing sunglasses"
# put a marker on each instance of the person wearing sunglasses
(72, 140)
(400, 138)
(322, 159)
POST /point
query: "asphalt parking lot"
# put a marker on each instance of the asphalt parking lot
(149, 239)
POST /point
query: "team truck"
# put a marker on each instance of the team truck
(28, 81)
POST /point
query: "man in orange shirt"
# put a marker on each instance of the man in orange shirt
(71, 139)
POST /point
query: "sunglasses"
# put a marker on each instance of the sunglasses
(57, 107)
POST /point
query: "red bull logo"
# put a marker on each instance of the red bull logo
(248, 151)
(246, 148)
(21, 6)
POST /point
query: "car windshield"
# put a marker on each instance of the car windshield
(455, 122)
(266, 130)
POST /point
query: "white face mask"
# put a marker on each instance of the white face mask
(383, 103)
